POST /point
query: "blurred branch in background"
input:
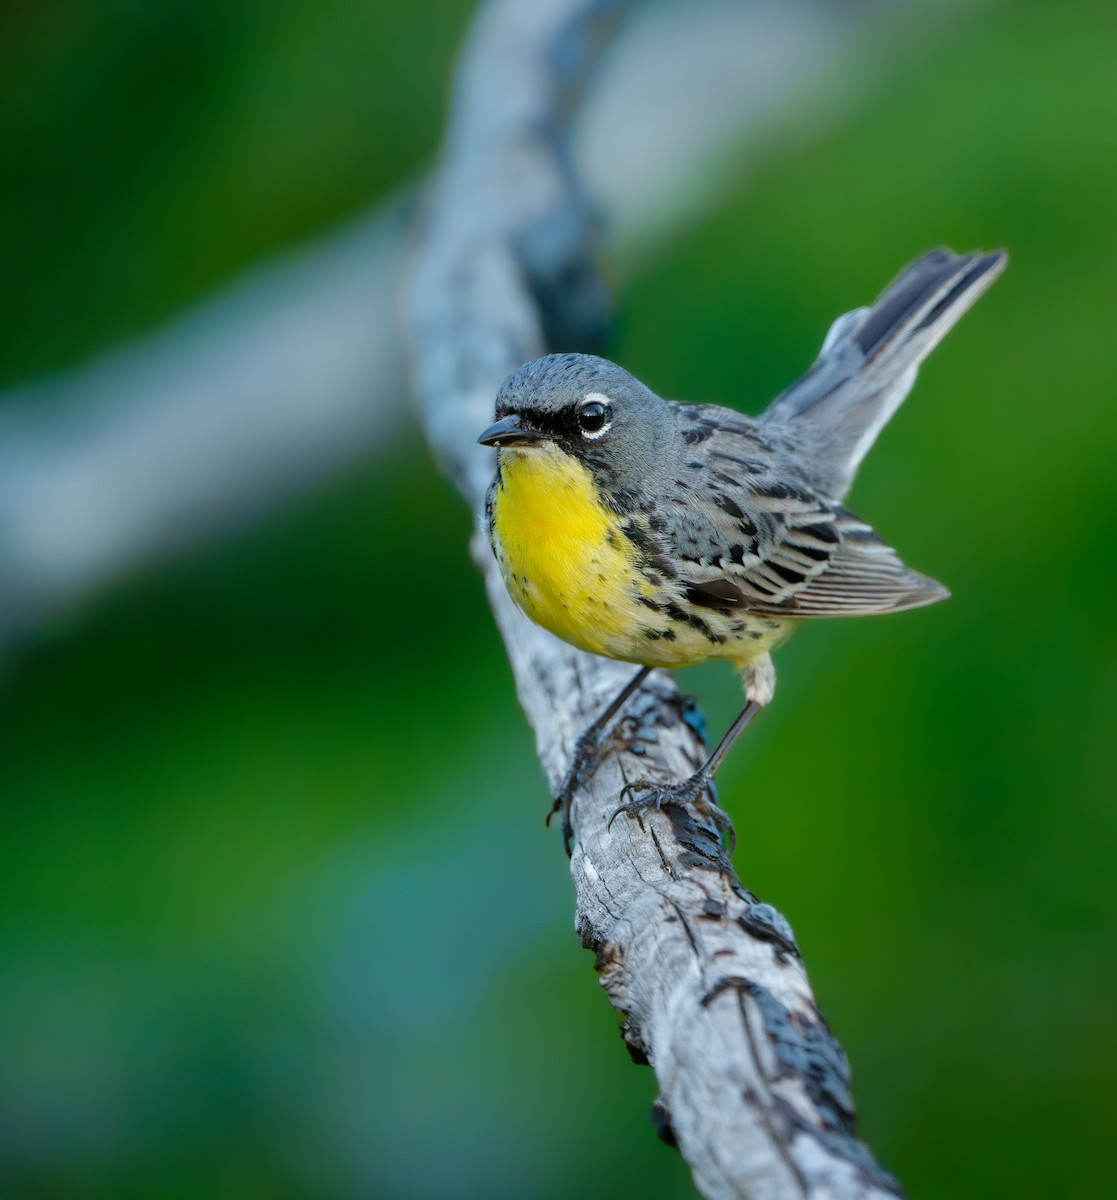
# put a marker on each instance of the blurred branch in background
(709, 982)
(294, 371)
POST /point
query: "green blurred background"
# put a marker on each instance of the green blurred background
(279, 916)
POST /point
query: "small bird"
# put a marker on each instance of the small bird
(664, 534)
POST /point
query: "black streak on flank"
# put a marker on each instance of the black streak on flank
(677, 613)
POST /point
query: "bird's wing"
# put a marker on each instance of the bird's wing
(756, 537)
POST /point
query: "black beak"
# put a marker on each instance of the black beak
(510, 431)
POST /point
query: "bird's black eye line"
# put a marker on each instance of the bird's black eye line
(592, 416)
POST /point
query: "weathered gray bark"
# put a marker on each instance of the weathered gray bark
(710, 982)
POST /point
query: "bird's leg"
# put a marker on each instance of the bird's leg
(691, 790)
(585, 755)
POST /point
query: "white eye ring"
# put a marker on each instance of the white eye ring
(595, 398)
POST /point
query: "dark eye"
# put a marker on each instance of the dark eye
(593, 416)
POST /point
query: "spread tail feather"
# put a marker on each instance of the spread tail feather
(869, 360)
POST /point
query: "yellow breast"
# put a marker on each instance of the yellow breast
(561, 551)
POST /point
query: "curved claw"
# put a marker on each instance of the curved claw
(638, 785)
(679, 795)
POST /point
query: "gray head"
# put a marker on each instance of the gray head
(590, 408)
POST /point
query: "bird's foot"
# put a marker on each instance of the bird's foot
(698, 791)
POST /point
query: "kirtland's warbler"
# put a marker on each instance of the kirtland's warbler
(666, 534)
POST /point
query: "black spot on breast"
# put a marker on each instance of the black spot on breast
(737, 555)
(678, 613)
(650, 554)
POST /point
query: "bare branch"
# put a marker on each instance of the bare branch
(710, 984)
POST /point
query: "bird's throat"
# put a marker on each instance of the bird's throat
(561, 550)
